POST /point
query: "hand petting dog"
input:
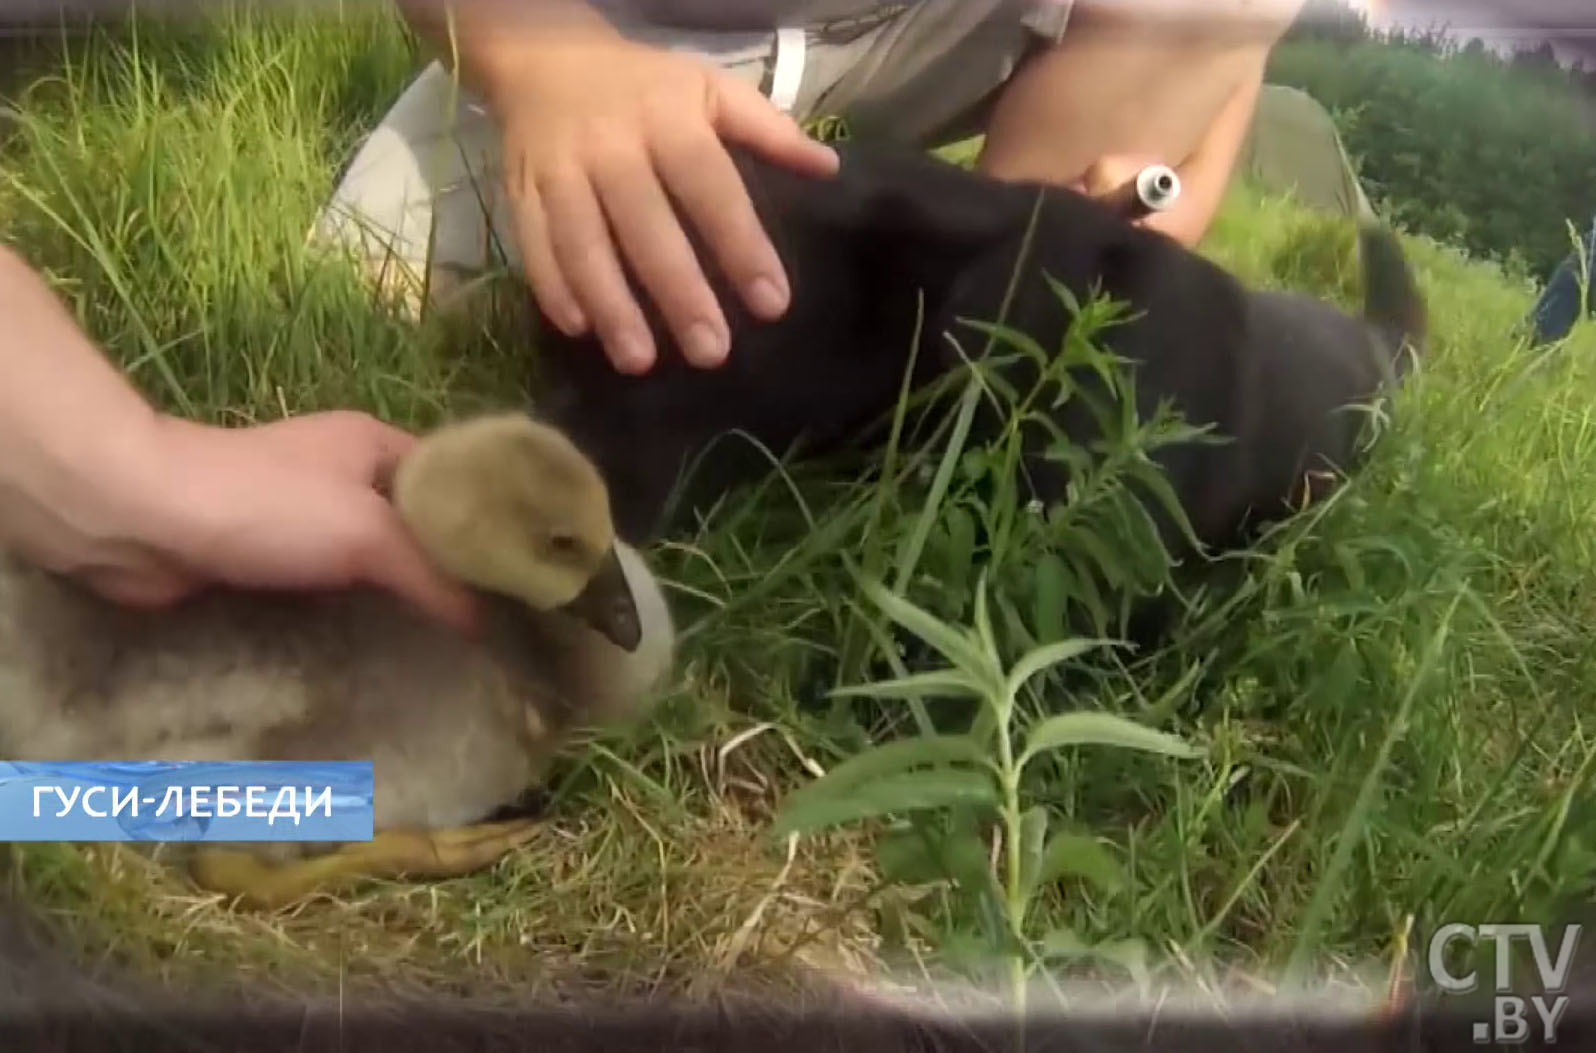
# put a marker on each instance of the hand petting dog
(606, 140)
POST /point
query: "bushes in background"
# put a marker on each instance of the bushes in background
(1494, 155)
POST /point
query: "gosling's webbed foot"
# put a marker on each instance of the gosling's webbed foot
(444, 853)
(255, 882)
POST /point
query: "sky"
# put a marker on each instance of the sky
(1570, 25)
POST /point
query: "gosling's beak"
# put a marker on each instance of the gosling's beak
(607, 605)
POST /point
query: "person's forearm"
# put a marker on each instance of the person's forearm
(73, 432)
(489, 37)
(145, 508)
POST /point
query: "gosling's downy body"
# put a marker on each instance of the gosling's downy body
(453, 729)
(576, 633)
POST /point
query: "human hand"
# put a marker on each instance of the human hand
(1203, 182)
(295, 504)
(1112, 180)
(1129, 85)
(601, 135)
(146, 509)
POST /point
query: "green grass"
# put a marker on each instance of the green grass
(1390, 708)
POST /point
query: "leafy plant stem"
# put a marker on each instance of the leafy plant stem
(1015, 897)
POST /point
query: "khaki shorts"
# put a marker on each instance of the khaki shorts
(921, 73)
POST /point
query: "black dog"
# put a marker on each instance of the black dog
(1271, 372)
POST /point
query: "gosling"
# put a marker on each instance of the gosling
(576, 634)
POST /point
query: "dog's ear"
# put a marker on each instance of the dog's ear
(934, 205)
(903, 206)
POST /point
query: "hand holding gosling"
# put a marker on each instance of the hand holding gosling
(146, 509)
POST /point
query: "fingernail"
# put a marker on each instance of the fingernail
(766, 298)
(703, 346)
(632, 353)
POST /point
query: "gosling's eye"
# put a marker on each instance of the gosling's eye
(564, 545)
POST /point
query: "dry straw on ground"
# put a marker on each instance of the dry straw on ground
(613, 898)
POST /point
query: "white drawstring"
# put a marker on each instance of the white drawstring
(788, 74)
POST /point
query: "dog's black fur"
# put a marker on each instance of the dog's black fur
(1270, 371)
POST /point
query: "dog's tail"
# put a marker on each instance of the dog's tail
(1392, 303)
